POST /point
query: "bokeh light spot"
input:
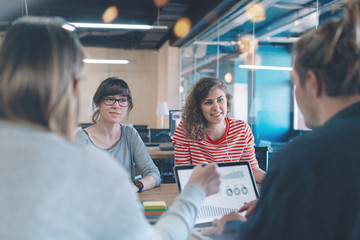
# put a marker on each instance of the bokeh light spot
(160, 3)
(182, 27)
(110, 14)
(228, 77)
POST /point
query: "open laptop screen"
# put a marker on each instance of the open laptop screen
(237, 188)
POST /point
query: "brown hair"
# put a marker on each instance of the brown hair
(39, 62)
(333, 52)
(194, 122)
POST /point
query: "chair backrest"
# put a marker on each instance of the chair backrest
(262, 157)
(84, 125)
(143, 132)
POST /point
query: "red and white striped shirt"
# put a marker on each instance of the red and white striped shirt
(236, 145)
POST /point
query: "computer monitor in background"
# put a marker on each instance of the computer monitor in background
(144, 132)
(174, 120)
(159, 135)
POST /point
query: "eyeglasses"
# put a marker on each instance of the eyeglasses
(123, 102)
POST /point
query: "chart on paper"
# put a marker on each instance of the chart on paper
(211, 212)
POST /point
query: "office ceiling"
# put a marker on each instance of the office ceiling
(202, 13)
(130, 12)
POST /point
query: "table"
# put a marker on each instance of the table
(156, 153)
(165, 192)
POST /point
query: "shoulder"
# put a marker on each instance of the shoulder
(179, 132)
(129, 132)
(83, 137)
(128, 128)
(81, 134)
(234, 122)
(237, 125)
(180, 126)
(297, 152)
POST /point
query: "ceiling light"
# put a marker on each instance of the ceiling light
(255, 12)
(207, 70)
(106, 61)
(68, 27)
(281, 39)
(118, 26)
(266, 67)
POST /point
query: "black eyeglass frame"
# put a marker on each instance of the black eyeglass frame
(114, 100)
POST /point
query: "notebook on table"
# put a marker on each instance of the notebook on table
(237, 188)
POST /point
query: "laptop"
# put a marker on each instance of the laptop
(237, 188)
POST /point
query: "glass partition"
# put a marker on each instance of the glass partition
(250, 48)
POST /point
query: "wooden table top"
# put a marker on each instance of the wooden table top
(165, 192)
(156, 153)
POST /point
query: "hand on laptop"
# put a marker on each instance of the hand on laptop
(207, 178)
(249, 207)
(218, 224)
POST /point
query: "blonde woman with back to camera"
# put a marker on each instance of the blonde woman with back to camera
(51, 187)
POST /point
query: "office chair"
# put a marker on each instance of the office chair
(84, 125)
(143, 132)
(261, 154)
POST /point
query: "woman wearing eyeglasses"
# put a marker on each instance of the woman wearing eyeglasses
(113, 101)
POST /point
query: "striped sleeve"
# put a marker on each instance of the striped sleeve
(181, 145)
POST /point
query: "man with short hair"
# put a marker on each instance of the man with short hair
(312, 188)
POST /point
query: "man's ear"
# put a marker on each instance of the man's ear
(315, 83)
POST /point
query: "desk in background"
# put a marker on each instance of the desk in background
(164, 160)
(156, 153)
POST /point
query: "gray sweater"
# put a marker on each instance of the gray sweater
(51, 188)
(128, 150)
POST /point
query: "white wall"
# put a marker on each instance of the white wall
(168, 79)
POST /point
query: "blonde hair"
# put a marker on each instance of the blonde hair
(332, 52)
(39, 63)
